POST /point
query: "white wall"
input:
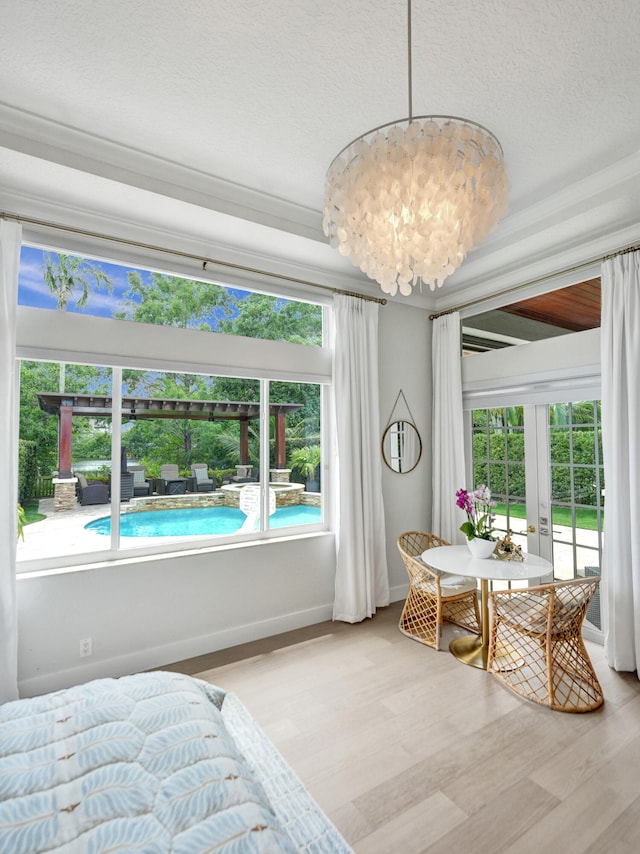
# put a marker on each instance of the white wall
(405, 363)
(142, 614)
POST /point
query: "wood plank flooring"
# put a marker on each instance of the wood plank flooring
(408, 750)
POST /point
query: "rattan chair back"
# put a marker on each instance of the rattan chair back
(426, 608)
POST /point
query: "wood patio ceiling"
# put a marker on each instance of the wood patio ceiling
(574, 308)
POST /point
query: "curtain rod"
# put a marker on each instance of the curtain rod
(538, 281)
(123, 241)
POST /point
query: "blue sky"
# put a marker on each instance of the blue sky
(32, 290)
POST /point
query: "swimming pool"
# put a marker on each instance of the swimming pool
(199, 521)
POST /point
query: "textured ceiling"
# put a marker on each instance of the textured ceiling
(263, 95)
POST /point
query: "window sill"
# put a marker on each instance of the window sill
(63, 566)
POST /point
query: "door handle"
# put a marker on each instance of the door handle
(531, 529)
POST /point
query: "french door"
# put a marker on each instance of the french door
(543, 464)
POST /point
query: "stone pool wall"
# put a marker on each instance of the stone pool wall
(287, 494)
(285, 497)
(174, 502)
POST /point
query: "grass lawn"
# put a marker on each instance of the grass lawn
(586, 518)
(31, 510)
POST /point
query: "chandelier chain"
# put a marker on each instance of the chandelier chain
(409, 60)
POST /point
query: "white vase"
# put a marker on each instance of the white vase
(481, 548)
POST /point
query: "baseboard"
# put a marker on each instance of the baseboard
(593, 634)
(157, 657)
(398, 592)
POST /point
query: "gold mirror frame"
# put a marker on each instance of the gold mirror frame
(401, 446)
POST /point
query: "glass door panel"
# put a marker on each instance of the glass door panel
(543, 464)
(499, 462)
(577, 493)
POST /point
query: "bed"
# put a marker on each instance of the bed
(156, 762)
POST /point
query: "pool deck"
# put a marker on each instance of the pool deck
(63, 532)
(60, 533)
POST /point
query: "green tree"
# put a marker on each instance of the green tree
(306, 462)
(185, 303)
(91, 441)
(37, 426)
(174, 301)
(69, 275)
(275, 319)
(174, 440)
(581, 412)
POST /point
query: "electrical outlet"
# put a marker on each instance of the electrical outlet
(86, 647)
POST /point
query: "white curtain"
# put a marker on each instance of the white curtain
(620, 364)
(10, 237)
(362, 581)
(448, 429)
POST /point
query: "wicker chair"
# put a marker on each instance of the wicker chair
(92, 491)
(536, 647)
(434, 596)
(200, 480)
(141, 484)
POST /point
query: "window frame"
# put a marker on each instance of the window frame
(49, 335)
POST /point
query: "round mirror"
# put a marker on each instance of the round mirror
(401, 446)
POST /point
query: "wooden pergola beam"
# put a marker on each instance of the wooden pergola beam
(66, 406)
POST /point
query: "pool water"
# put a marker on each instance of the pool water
(199, 521)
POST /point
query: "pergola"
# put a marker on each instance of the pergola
(66, 405)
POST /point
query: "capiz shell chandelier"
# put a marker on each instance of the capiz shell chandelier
(406, 201)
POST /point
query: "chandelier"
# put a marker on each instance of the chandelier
(407, 200)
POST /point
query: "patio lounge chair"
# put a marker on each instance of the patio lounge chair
(141, 484)
(170, 482)
(200, 480)
(243, 475)
(92, 491)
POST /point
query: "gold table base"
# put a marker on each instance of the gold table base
(473, 649)
(470, 650)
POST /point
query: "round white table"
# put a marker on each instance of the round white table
(458, 560)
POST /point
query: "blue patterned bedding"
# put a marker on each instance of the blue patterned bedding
(156, 762)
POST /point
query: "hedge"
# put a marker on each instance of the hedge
(490, 450)
(27, 469)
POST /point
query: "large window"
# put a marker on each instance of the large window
(137, 454)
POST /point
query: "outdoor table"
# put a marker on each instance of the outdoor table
(176, 487)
